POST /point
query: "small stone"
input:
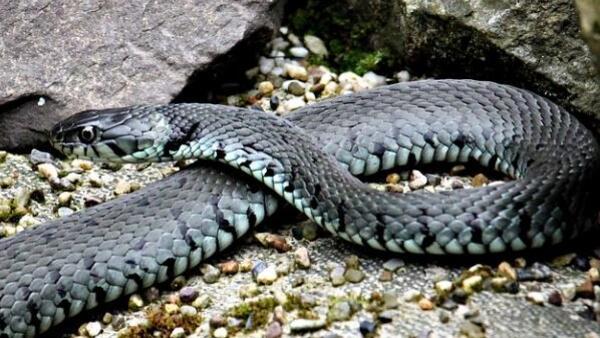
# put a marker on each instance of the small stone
(555, 298)
(444, 287)
(309, 231)
(85, 165)
(352, 262)
(274, 102)
(177, 332)
(456, 184)
(267, 276)
(479, 180)
(122, 187)
(230, 267)
(210, 274)
(107, 318)
(246, 265)
(64, 211)
(299, 52)
(171, 308)
(536, 297)
(135, 302)
(520, 262)
(505, 270)
(48, 171)
(294, 87)
(265, 88)
(337, 276)
(585, 290)
(386, 316)
(265, 65)
(457, 169)
(310, 97)
(374, 80)
(274, 330)
(152, 294)
(568, 290)
(201, 302)
(367, 327)
(178, 282)
(296, 72)
(386, 276)
(402, 76)
(331, 89)
(220, 333)
(6, 182)
(294, 103)
(294, 39)
(188, 294)
(417, 180)
(283, 266)
(317, 88)
(36, 157)
(302, 325)
(537, 272)
(582, 263)
(472, 284)
(393, 178)
(354, 275)
(594, 274)
(302, 258)
(217, 320)
(315, 45)
(390, 299)
(425, 304)
(93, 329)
(411, 295)
(65, 198)
(340, 311)
(188, 310)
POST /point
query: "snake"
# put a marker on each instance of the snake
(248, 162)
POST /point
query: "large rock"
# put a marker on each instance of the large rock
(534, 44)
(59, 57)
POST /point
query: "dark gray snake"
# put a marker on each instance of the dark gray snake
(64, 267)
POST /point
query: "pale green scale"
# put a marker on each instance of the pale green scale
(435, 249)
(412, 247)
(388, 160)
(497, 245)
(476, 248)
(393, 246)
(454, 247)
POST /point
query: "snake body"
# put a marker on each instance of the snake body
(310, 159)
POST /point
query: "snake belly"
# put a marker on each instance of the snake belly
(310, 160)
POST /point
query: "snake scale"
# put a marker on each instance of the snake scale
(310, 159)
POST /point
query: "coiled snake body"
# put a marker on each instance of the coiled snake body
(310, 160)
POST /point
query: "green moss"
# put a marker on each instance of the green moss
(259, 309)
(346, 33)
(160, 321)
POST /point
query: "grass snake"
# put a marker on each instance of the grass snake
(309, 159)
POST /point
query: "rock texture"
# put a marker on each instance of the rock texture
(93, 54)
(533, 44)
(589, 18)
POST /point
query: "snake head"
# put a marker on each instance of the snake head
(125, 135)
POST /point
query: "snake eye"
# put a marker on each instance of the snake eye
(87, 134)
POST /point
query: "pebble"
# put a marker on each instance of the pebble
(267, 275)
(36, 157)
(300, 325)
(171, 308)
(479, 180)
(135, 302)
(337, 276)
(457, 170)
(425, 304)
(177, 332)
(374, 80)
(585, 290)
(188, 294)
(302, 258)
(95, 180)
(315, 45)
(386, 276)
(246, 265)
(274, 102)
(340, 311)
(536, 297)
(265, 88)
(294, 39)
(555, 298)
(386, 316)
(201, 302)
(210, 274)
(152, 294)
(417, 180)
(85, 165)
(366, 327)
(504, 269)
(296, 72)
(537, 272)
(581, 263)
(390, 299)
(568, 290)
(354, 275)
(283, 266)
(122, 187)
(472, 284)
(352, 81)
(402, 76)
(411, 295)
(220, 333)
(65, 198)
(299, 52)
(294, 103)
(266, 65)
(48, 171)
(444, 287)
(230, 267)
(393, 264)
(331, 89)
(64, 211)
(93, 329)
(188, 310)
(274, 330)
(217, 320)
(294, 87)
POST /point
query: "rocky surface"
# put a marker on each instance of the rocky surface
(532, 44)
(289, 278)
(57, 58)
(589, 18)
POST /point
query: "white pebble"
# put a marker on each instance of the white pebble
(294, 103)
(536, 297)
(299, 52)
(48, 171)
(296, 72)
(330, 89)
(350, 80)
(374, 80)
(41, 101)
(417, 180)
(315, 45)
(279, 44)
(93, 329)
(403, 76)
(220, 332)
(267, 276)
(178, 332)
(266, 65)
(294, 39)
(283, 30)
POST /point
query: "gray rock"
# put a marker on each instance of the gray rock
(58, 58)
